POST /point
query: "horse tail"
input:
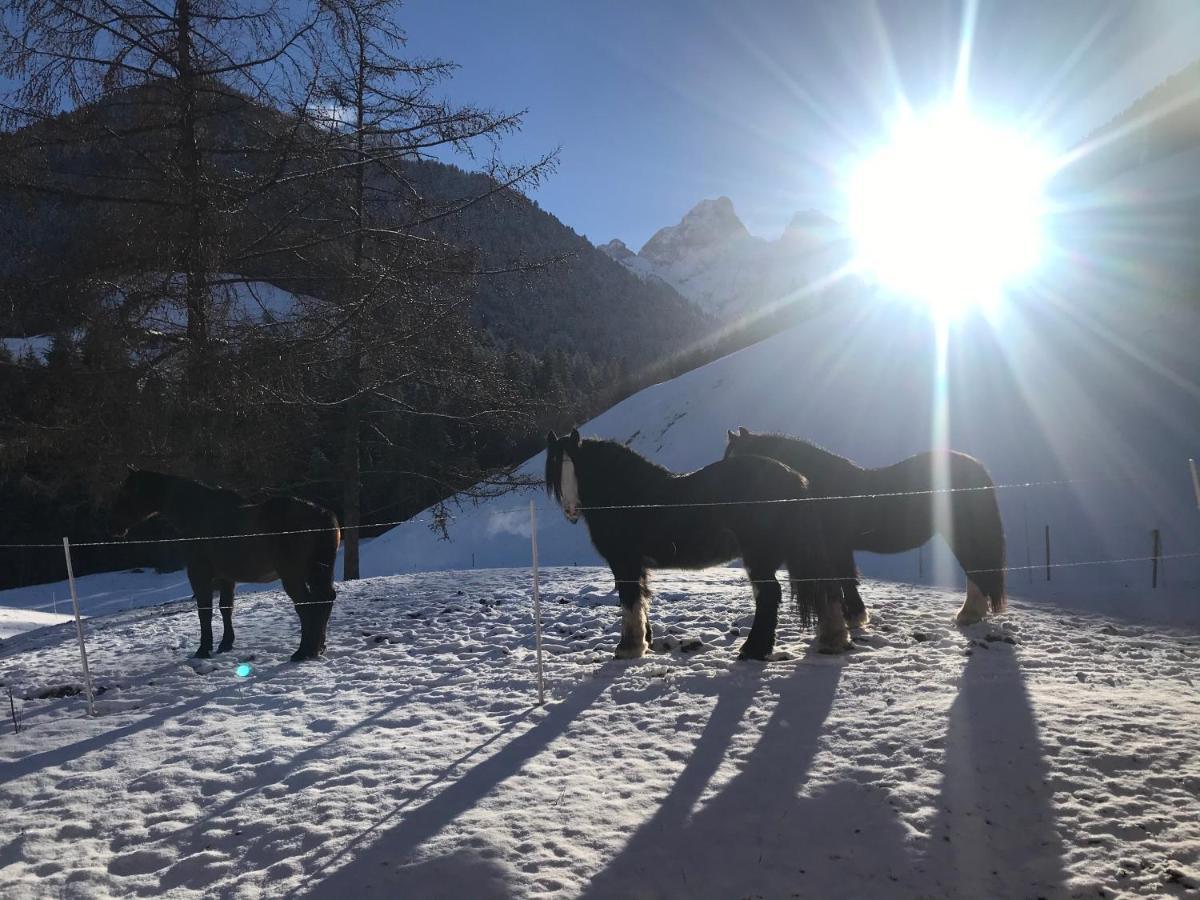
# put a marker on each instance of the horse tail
(985, 556)
(807, 563)
(321, 562)
(991, 582)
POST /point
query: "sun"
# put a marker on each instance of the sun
(951, 211)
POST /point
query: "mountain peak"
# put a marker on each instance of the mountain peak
(617, 249)
(708, 224)
(808, 224)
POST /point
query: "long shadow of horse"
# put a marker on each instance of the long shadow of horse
(381, 869)
(994, 835)
(758, 835)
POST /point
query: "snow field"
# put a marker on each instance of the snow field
(1044, 753)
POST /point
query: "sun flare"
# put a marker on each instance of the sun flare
(950, 212)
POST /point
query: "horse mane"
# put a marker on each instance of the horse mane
(612, 464)
(795, 443)
(179, 486)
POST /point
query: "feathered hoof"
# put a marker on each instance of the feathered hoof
(202, 653)
(965, 618)
(862, 620)
(835, 644)
(760, 654)
(225, 648)
(635, 652)
(304, 655)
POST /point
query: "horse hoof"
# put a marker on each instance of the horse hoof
(834, 644)
(202, 653)
(303, 656)
(630, 652)
(225, 648)
(962, 620)
(755, 653)
(860, 621)
(753, 657)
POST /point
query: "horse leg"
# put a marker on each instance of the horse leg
(202, 590)
(767, 595)
(635, 623)
(306, 610)
(852, 603)
(832, 634)
(974, 608)
(226, 587)
(320, 590)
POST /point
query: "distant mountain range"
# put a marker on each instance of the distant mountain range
(710, 258)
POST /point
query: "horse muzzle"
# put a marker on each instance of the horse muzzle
(572, 513)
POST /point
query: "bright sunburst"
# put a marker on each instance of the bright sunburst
(950, 212)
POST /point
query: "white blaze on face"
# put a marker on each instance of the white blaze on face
(568, 486)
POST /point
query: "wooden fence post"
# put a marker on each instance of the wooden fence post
(537, 605)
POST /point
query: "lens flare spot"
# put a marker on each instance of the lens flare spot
(244, 670)
(951, 211)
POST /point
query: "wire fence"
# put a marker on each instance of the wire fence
(1157, 558)
(521, 509)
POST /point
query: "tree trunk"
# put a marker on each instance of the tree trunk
(195, 273)
(351, 490)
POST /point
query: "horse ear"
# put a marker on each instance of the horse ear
(551, 438)
(730, 434)
(743, 430)
(573, 437)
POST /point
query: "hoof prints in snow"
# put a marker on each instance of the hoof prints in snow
(412, 761)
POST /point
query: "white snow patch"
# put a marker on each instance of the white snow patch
(1040, 754)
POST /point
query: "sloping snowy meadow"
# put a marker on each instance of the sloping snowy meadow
(1045, 753)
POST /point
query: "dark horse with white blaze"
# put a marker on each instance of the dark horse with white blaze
(228, 540)
(641, 516)
(879, 523)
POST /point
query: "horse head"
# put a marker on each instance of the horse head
(738, 441)
(561, 480)
(138, 498)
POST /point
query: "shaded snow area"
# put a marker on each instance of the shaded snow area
(1042, 754)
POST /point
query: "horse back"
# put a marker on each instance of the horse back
(705, 517)
(260, 542)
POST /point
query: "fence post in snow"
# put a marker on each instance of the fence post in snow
(1047, 552)
(87, 675)
(537, 605)
(1157, 553)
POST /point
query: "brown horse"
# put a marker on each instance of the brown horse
(284, 537)
(893, 524)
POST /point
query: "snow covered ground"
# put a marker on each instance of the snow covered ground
(1046, 753)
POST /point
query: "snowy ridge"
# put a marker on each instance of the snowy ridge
(710, 258)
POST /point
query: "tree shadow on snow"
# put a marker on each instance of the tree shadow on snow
(995, 832)
(382, 869)
(757, 835)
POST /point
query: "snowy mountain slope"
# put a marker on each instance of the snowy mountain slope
(1045, 754)
(710, 258)
(1035, 397)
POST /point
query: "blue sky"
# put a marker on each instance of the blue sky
(657, 105)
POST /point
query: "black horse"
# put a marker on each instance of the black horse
(892, 524)
(693, 521)
(285, 538)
